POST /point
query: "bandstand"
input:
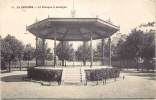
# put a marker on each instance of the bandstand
(72, 29)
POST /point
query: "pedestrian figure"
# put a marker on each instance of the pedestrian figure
(123, 77)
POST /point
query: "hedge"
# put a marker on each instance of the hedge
(101, 74)
(48, 75)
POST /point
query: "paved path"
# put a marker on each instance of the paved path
(134, 86)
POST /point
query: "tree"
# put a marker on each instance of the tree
(138, 44)
(99, 52)
(28, 53)
(148, 53)
(106, 49)
(12, 49)
(40, 53)
(131, 47)
(148, 50)
(49, 55)
(5, 54)
(83, 53)
(64, 51)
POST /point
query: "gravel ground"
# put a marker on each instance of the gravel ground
(135, 85)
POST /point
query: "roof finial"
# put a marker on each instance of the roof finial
(26, 27)
(109, 20)
(36, 20)
(48, 16)
(97, 16)
(73, 10)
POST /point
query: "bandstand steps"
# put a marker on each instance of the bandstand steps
(71, 75)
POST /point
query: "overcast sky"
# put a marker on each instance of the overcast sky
(125, 13)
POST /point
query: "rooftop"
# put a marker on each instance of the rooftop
(72, 29)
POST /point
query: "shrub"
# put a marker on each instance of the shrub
(101, 74)
(45, 74)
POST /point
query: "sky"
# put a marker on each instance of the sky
(127, 14)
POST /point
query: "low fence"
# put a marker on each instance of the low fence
(115, 63)
(23, 65)
(101, 74)
(124, 63)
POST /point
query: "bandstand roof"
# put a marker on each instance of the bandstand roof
(72, 29)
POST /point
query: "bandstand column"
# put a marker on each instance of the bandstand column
(36, 50)
(84, 51)
(102, 49)
(55, 50)
(43, 50)
(62, 53)
(109, 41)
(91, 50)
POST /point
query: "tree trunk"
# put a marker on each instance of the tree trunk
(127, 64)
(84, 62)
(28, 63)
(20, 64)
(9, 66)
(137, 65)
(142, 68)
(120, 64)
(63, 62)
